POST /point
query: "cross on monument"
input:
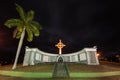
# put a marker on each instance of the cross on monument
(60, 45)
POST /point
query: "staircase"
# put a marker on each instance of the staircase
(60, 70)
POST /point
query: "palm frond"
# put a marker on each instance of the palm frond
(15, 33)
(37, 24)
(30, 34)
(20, 27)
(35, 30)
(12, 23)
(29, 16)
(25, 23)
(20, 11)
(18, 35)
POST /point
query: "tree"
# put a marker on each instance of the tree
(25, 24)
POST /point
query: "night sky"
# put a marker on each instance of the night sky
(78, 23)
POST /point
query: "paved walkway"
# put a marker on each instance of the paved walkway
(60, 70)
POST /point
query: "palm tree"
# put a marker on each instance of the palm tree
(25, 24)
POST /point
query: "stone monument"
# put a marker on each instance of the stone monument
(85, 56)
(60, 68)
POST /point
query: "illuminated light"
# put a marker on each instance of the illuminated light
(60, 45)
(117, 56)
(98, 54)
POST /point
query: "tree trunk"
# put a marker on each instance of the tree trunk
(18, 49)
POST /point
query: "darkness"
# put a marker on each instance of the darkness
(78, 23)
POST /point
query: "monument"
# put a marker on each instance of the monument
(85, 56)
(60, 69)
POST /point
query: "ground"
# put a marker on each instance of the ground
(103, 67)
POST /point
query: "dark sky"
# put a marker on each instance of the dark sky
(79, 23)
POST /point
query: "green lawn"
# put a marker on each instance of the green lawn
(91, 68)
(36, 68)
(44, 71)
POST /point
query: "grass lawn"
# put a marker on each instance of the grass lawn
(94, 68)
(34, 68)
(104, 71)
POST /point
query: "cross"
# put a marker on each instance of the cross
(60, 45)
